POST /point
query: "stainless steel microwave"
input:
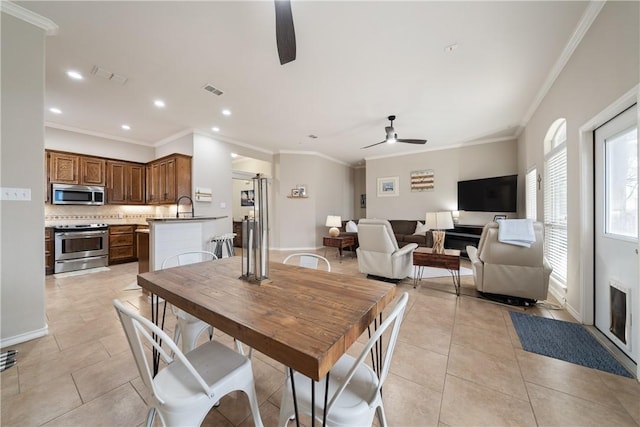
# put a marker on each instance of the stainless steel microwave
(64, 194)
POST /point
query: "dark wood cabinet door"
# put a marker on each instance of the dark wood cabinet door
(170, 180)
(48, 250)
(136, 184)
(63, 168)
(92, 171)
(116, 183)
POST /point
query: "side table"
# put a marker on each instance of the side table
(338, 242)
(450, 260)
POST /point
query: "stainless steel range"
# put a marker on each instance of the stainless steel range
(78, 247)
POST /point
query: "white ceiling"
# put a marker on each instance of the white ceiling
(357, 63)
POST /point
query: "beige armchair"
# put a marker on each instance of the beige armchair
(505, 269)
(379, 254)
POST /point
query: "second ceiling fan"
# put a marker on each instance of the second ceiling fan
(392, 136)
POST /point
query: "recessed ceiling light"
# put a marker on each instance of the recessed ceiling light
(55, 110)
(226, 112)
(234, 155)
(74, 75)
(215, 129)
(126, 127)
(159, 103)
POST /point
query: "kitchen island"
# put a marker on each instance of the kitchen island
(172, 236)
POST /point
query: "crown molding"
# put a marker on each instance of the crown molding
(314, 153)
(231, 141)
(590, 14)
(50, 27)
(93, 133)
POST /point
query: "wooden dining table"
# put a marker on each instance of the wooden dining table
(304, 318)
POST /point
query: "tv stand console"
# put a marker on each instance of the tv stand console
(462, 236)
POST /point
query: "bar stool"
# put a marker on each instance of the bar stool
(222, 241)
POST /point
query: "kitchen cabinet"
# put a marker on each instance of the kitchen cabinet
(168, 178)
(125, 183)
(122, 247)
(69, 168)
(48, 250)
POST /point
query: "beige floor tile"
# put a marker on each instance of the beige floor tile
(102, 377)
(566, 377)
(62, 363)
(499, 373)
(465, 403)
(626, 390)
(433, 366)
(9, 382)
(409, 404)
(489, 342)
(554, 408)
(119, 407)
(41, 404)
(269, 413)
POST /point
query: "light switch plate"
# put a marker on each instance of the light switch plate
(15, 194)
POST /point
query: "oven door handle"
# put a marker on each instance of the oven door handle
(81, 234)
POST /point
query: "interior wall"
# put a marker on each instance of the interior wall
(360, 189)
(449, 166)
(249, 167)
(64, 140)
(182, 145)
(603, 68)
(22, 301)
(330, 189)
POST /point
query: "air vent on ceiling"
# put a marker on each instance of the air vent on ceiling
(212, 89)
(106, 74)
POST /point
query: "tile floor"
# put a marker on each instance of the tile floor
(458, 362)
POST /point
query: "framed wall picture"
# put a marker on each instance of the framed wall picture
(388, 187)
(295, 192)
(246, 198)
(363, 201)
(422, 180)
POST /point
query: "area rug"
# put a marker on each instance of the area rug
(431, 272)
(566, 341)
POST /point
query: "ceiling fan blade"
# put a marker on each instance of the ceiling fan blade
(412, 141)
(373, 145)
(285, 33)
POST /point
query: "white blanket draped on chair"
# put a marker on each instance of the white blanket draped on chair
(517, 232)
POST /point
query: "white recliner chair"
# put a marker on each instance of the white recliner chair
(379, 254)
(505, 269)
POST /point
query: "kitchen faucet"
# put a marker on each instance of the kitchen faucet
(178, 206)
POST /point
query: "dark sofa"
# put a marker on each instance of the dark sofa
(403, 230)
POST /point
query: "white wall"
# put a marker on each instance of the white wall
(64, 140)
(22, 165)
(603, 68)
(449, 167)
(360, 187)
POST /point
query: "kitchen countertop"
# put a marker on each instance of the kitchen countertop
(196, 218)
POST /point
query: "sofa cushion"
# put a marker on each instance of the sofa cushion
(415, 238)
(403, 226)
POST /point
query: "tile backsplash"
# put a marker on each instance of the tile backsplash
(108, 214)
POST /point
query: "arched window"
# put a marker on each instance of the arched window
(555, 199)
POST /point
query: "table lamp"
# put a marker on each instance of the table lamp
(334, 221)
(437, 222)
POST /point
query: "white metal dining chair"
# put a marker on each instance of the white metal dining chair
(187, 325)
(355, 390)
(308, 260)
(184, 391)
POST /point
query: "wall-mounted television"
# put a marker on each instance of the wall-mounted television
(498, 194)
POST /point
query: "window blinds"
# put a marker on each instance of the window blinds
(530, 194)
(555, 212)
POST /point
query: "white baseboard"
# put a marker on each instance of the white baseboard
(27, 336)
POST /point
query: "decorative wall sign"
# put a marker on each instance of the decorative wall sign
(246, 198)
(388, 187)
(422, 180)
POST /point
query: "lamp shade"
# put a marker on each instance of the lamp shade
(333, 221)
(439, 220)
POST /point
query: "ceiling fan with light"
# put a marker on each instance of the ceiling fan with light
(392, 136)
(285, 32)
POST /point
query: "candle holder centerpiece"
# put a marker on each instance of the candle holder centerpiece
(255, 236)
